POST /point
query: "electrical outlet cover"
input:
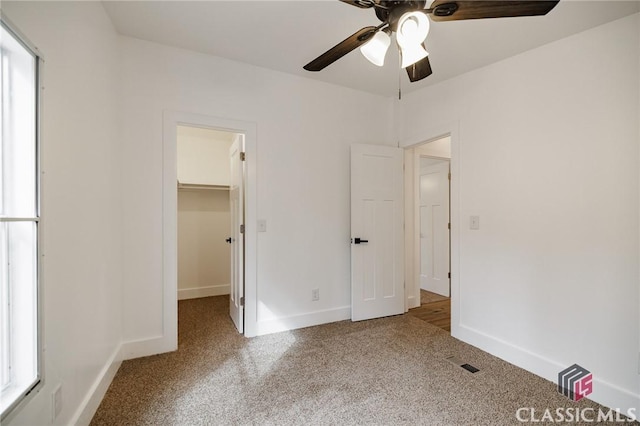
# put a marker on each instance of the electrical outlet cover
(56, 402)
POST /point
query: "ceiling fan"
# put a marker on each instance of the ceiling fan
(409, 20)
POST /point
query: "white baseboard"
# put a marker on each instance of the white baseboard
(91, 401)
(124, 351)
(302, 320)
(604, 393)
(146, 347)
(196, 292)
(413, 302)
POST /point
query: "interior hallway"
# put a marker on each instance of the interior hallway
(434, 309)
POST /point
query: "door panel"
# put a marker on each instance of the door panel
(434, 229)
(377, 265)
(236, 202)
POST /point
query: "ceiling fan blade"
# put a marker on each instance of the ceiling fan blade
(419, 70)
(341, 49)
(448, 10)
(362, 4)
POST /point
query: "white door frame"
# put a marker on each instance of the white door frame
(438, 132)
(171, 119)
(236, 236)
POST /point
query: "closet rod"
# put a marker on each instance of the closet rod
(202, 186)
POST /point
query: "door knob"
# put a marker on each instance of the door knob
(228, 240)
(360, 241)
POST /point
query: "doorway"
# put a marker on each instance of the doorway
(171, 121)
(210, 167)
(432, 225)
(427, 210)
(204, 214)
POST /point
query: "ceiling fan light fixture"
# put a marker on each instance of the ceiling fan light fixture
(376, 49)
(412, 54)
(413, 28)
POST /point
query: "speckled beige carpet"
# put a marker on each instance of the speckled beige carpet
(385, 372)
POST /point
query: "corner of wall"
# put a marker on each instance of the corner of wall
(93, 397)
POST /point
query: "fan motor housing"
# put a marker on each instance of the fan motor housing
(391, 10)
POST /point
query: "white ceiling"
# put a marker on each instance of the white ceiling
(285, 35)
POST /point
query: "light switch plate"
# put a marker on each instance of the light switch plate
(474, 223)
(262, 225)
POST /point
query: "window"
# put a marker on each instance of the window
(20, 304)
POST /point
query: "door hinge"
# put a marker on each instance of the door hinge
(242, 301)
(449, 225)
(242, 229)
(243, 156)
(449, 275)
(449, 176)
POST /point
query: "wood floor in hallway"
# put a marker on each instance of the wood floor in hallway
(434, 309)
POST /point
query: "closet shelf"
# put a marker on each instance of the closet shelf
(202, 186)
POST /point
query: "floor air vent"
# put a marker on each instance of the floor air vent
(460, 363)
(470, 368)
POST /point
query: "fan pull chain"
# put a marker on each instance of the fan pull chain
(400, 77)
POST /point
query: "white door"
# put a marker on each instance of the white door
(236, 200)
(434, 228)
(377, 239)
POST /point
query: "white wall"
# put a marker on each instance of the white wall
(438, 148)
(428, 161)
(547, 156)
(81, 202)
(203, 156)
(204, 257)
(304, 131)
